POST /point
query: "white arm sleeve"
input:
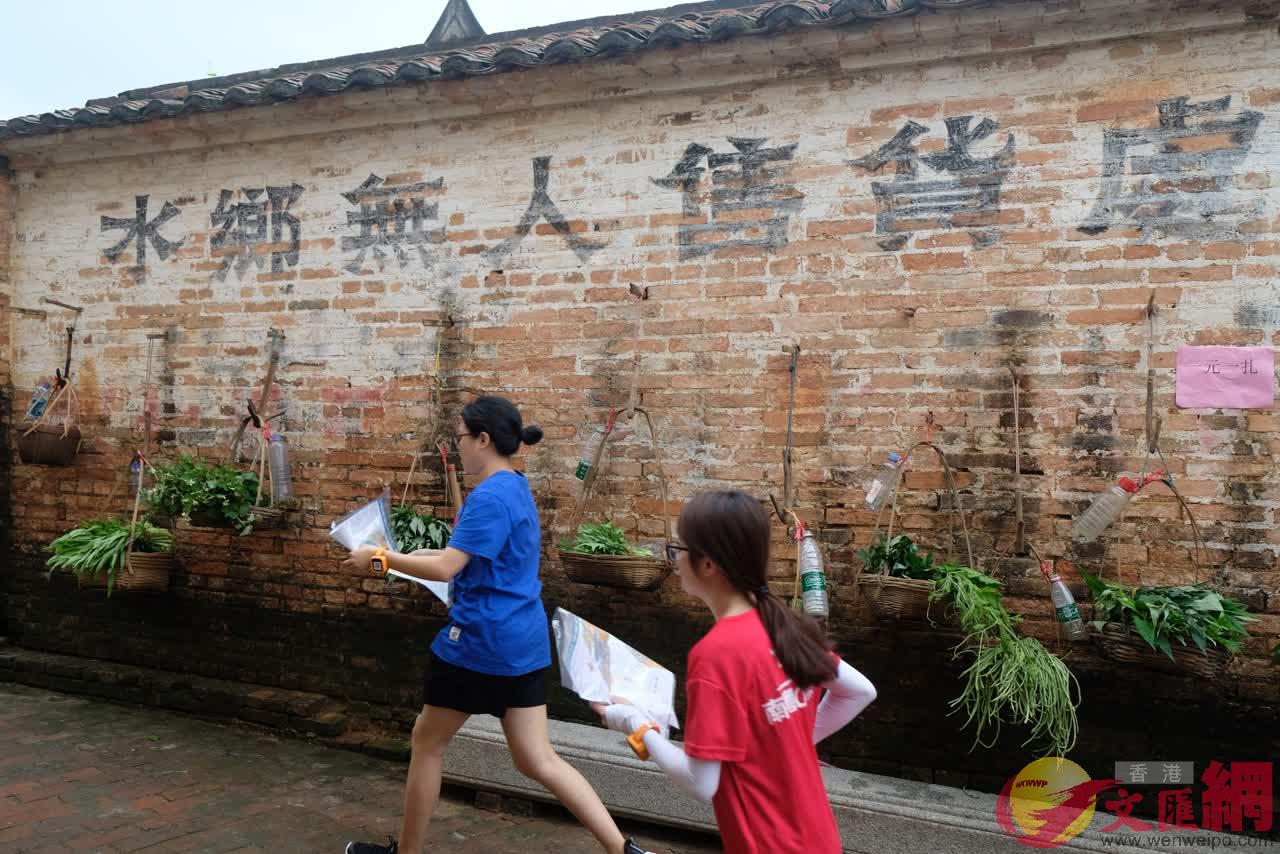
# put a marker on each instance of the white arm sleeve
(697, 778)
(847, 695)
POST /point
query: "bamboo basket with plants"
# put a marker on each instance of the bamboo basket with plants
(598, 553)
(209, 496)
(107, 554)
(1187, 629)
(894, 579)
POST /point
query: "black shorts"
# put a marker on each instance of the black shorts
(450, 687)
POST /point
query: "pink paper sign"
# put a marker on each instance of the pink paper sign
(1226, 377)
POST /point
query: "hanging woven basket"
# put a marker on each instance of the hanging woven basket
(207, 519)
(149, 572)
(622, 571)
(1121, 643)
(46, 444)
(907, 599)
(49, 445)
(893, 599)
(268, 518)
(630, 573)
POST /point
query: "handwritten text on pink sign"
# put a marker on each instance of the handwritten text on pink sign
(1226, 377)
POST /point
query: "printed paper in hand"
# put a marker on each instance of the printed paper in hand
(370, 525)
(599, 668)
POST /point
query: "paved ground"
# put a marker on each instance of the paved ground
(83, 775)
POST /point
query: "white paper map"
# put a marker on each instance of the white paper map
(599, 668)
(368, 525)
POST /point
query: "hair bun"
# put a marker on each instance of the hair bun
(531, 435)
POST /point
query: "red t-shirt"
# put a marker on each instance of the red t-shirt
(745, 712)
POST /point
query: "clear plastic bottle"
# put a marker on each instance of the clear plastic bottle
(886, 480)
(588, 455)
(1104, 510)
(1064, 605)
(589, 452)
(135, 475)
(813, 580)
(278, 459)
(39, 400)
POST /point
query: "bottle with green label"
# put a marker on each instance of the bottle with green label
(589, 452)
(813, 580)
(1064, 605)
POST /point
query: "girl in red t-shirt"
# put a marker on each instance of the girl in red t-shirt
(755, 711)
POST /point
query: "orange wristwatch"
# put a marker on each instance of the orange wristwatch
(636, 740)
(378, 564)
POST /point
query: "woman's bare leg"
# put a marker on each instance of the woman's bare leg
(432, 732)
(530, 743)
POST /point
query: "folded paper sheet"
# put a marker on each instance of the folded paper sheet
(599, 668)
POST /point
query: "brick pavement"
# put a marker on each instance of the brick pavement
(84, 775)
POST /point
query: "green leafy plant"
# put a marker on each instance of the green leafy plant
(897, 557)
(976, 600)
(96, 547)
(413, 530)
(190, 485)
(603, 538)
(1015, 680)
(1188, 614)
(1012, 679)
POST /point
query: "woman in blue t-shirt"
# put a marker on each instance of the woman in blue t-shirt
(494, 654)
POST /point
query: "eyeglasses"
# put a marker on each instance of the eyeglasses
(673, 549)
(457, 436)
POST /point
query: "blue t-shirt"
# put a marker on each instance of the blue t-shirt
(497, 624)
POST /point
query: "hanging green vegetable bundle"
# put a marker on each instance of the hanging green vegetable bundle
(413, 530)
(1012, 679)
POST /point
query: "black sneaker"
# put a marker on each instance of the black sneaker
(629, 848)
(373, 847)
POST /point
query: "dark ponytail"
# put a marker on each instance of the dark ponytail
(732, 529)
(499, 417)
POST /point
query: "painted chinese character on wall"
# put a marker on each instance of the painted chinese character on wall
(749, 202)
(542, 207)
(393, 221)
(139, 231)
(257, 226)
(1177, 179)
(955, 190)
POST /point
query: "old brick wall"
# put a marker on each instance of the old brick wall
(7, 203)
(918, 206)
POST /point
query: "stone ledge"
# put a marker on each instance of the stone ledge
(292, 711)
(876, 814)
